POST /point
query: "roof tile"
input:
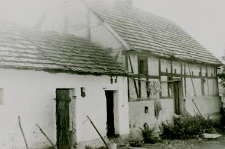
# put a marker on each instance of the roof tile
(145, 31)
(25, 48)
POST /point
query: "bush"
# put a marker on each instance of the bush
(188, 127)
(149, 136)
(89, 147)
(136, 143)
(50, 147)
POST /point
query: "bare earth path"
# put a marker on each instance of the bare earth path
(188, 144)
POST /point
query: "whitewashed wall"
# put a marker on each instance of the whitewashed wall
(138, 116)
(153, 66)
(31, 94)
(208, 106)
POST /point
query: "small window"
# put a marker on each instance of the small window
(143, 66)
(146, 109)
(1, 96)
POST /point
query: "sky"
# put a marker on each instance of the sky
(202, 19)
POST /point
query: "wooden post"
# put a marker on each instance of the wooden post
(22, 132)
(193, 90)
(46, 136)
(97, 131)
(197, 107)
(132, 70)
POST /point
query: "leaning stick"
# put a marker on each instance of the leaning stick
(97, 132)
(197, 108)
(22, 132)
(46, 136)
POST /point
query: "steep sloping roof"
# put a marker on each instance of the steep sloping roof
(145, 31)
(26, 48)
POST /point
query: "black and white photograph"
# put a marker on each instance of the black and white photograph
(112, 74)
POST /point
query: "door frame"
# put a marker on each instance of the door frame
(110, 108)
(177, 98)
(115, 108)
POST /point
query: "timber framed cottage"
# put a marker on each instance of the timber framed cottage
(56, 81)
(163, 61)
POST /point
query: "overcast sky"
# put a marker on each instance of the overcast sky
(202, 19)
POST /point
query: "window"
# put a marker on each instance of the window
(143, 67)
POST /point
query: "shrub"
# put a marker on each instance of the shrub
(89, 147)
(50, 147)
(188, 127)
(149, 136)
(136, 143)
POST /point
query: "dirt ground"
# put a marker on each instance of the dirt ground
(185, 144)
(188, 144)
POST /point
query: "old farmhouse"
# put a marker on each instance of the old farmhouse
(163, 61)
(56, 81)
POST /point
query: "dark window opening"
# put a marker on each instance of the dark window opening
(143, 66)
(146, 109)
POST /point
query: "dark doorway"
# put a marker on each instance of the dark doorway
(62, 118)
(176, 95)
(110, 113)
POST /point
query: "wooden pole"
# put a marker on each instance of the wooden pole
(132, 71)
(194, 92)
(192, 82)
(46, 136)
(98, 132)
(22, 132)
(197, 107)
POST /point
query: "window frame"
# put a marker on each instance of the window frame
(143, 65)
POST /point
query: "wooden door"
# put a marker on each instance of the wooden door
(62, 118)
(176, 95)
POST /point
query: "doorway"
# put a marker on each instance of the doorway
(110, 113)
(177, 97)
(62, 118)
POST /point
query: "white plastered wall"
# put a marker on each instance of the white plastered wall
(153, 66)
(30, 95)
(208, 104)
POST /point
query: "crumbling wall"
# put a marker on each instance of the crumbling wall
(138, 115)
